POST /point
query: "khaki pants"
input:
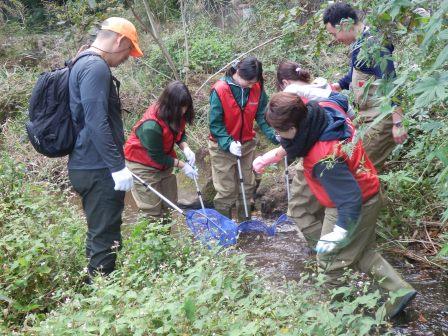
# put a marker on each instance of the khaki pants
(304, 208)
(226, 180)
(378, 141)
(359, 252)
(163, 181)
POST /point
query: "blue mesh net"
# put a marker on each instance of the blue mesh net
(256, 225)
(209, 225)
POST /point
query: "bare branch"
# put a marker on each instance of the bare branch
(152, 21)
(153, 31)
(184, 26)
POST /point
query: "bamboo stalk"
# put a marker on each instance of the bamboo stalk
(184, 27)
(152, 30)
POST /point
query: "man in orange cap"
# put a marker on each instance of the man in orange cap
(96, 165)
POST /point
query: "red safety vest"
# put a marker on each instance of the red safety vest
(358, 163)
(239, 122)
(134, 150)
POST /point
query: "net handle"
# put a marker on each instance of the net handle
(198, 191)
(243, 192)
(288, 192)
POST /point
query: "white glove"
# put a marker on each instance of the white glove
(190, 171)
(189, 154)
(235, 148)
(328, 242)
(123, 179)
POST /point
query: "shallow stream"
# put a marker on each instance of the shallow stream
(282, 258)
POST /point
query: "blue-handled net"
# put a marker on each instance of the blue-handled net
(209, 225)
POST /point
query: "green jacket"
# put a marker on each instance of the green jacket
(216, 121)
(150, 135)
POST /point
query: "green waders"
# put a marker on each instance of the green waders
(304, 208)
(226, 180)
(163, 181)
(359, 251)
(378, 142)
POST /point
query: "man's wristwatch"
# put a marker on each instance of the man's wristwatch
(398, 124)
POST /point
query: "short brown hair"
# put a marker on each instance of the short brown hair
(285, 110)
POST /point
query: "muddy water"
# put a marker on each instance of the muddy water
(283, 257)
(280, 258)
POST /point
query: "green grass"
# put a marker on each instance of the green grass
(165, 283)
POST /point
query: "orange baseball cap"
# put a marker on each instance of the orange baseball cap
(125, 28)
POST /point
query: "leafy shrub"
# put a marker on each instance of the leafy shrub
(168, 286)
(422, 86)
(210, 47)
(41, 239)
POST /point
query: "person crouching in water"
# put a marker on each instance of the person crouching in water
(303, 206)
(236, 101)
(149, 150)
(345, 184)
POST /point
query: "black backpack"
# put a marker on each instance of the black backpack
(50, 128)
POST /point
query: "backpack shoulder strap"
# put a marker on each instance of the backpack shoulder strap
(73, 61)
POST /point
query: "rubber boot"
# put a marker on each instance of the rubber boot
(397, 302)
(383, 272)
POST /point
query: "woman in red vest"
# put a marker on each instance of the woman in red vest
(345, 182)
(149, 150)
(236, 101)
(303, 206)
